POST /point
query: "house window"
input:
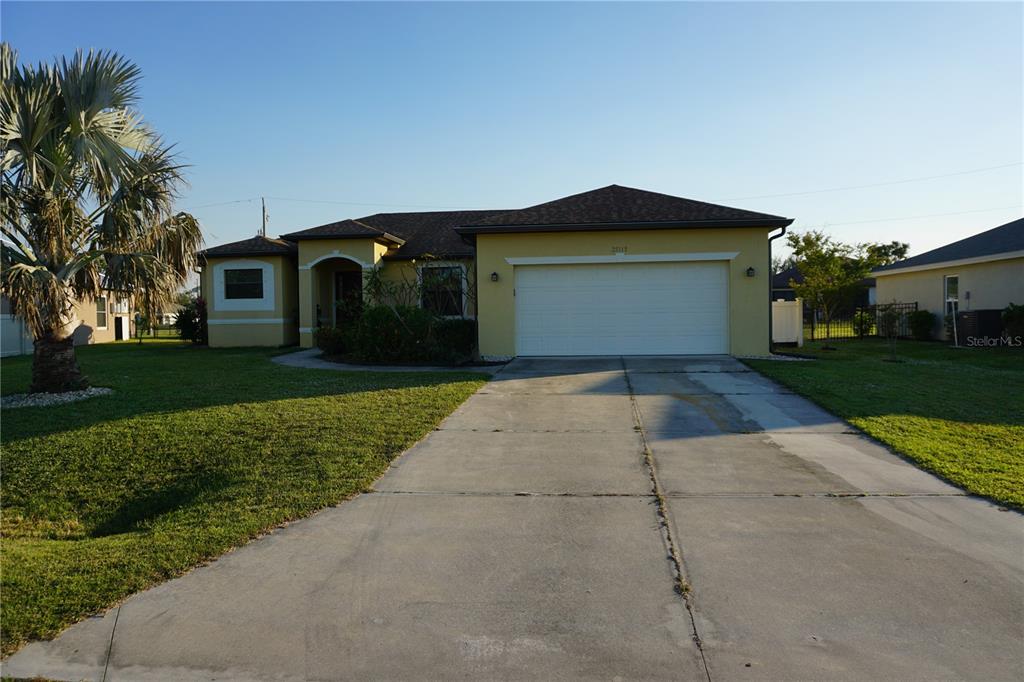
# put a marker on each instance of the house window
(119, 307)
(951, 284)
(442, 291)
(247, 283)
(101, 312)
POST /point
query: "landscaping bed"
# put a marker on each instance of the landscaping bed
(195, 451)
(956, 412)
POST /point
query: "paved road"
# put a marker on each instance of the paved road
(523, 540)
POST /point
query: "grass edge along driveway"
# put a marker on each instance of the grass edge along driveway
(956, 412)
(197, 451)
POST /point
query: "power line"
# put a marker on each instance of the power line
(878, 184)
(915, 217)
(375, 203)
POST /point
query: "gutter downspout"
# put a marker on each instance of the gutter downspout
(770, 275)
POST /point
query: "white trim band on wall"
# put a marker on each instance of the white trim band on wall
(250, 320)
(623, 258)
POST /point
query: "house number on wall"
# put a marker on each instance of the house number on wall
(618, 250)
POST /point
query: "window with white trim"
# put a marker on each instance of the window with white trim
(442, 290)
(951, 291)
(244, 283)
(101, 312)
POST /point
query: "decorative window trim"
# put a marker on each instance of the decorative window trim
(464, 283)
(220, 303)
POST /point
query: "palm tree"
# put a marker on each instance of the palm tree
(87, 203)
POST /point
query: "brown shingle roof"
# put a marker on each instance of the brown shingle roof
(344, 229)
(254, 246)
(618, 207)
(431, 232)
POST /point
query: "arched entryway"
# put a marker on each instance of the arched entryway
(337, 291)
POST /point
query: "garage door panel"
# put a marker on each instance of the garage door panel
(639, 308)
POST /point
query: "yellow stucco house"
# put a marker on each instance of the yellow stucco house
(983, 272)
(613, 271)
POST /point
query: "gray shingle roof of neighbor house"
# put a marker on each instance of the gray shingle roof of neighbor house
(254, 246)
(1006, 238)
(780, 280)
(617, 207)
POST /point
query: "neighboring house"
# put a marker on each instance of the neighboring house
(107, 318)
(983, 272)
(611, 271)
(782, 290)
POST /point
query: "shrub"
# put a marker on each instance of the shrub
(399, 334)
(454, 340)
(332, 340)
(863, 323)
(1013, 320)
(191, 321)
(922, 322)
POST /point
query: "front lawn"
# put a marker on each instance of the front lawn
(957, 412)
(195, 452)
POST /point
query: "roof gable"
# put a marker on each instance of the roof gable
(254, 246)
(1006, 238)
(625, 206)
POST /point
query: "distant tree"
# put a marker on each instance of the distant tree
(885, 254)
(87, 202)
(780, 264)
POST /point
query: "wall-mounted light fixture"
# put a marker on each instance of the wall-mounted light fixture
(494, 277)
(751, 272)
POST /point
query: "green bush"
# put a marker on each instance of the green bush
(191, 321)
(863, 323)
(922, 322)
(408, 334)
(332, 340)
(454, 340)
(399, 334)
(1013, 320)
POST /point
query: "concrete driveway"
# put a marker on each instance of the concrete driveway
(524, 539)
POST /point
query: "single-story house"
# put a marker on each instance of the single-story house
(107, 318)
(983, 272)
(611, 271)
(782, 290)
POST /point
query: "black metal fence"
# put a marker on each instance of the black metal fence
(869, 320)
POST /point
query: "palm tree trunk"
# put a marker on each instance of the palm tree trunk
(54, 366)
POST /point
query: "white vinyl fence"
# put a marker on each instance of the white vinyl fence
(788, 321)
(14, 338)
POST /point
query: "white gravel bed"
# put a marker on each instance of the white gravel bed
(10, 402)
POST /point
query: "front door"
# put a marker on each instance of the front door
(348, 295)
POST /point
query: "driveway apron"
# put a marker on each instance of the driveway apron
(547, 530)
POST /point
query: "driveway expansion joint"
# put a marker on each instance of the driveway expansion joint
(674, 555)
(504, 493)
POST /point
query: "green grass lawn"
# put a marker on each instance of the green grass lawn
(196, 451)
(957, 412)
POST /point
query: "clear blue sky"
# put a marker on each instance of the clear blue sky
(507, 105)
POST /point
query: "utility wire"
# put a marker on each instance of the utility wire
(377, 203)
(915, 217)
(878, 184)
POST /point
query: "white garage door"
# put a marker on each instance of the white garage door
(622, 309)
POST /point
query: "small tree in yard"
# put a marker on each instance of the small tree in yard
(833, 272)
(87, 201)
